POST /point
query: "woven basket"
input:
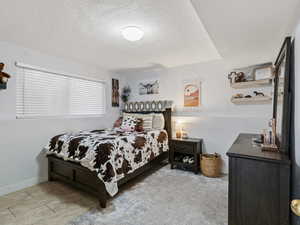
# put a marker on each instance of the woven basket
(210, 165)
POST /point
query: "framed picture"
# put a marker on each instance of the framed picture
(263, 71)
(115, 93)
(149, 87)
(191, 93)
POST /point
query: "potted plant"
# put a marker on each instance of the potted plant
(125, 94)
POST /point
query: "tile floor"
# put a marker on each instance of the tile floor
(44, 204)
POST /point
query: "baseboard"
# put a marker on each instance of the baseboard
(23, 184)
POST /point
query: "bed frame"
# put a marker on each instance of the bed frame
(80, 177)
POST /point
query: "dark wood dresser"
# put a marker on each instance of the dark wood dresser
(259, 185)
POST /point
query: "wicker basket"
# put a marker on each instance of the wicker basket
(210, 165)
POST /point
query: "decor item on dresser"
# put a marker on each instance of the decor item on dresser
(125, 94)
(184, 153)
(3, 77)
(192, 93)
(149, 87)
(86, 162)
(269, 138)
(210, 165)
(115, 93)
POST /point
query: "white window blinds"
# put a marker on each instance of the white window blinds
(41, 93)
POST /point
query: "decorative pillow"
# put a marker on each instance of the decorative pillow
(139, 125)
(128, 123)
(118, 122)
(158, 121)
(147, 119)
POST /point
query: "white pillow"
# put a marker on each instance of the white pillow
(158, 121)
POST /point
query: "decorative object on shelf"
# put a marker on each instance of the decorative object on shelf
(149, 87)
(115, 93)
(192, 89)
(3, 77)
(210, 165)
(258, 93)
(125, 94)
(240, 77)
(231, 77)
(263, 71)
(248, 96)
(295, 207)
(238, 95)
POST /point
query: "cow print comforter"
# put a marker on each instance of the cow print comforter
(111, 153)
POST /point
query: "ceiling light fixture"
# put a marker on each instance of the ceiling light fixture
(132, 33)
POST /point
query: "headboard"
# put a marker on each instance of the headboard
(164, 107)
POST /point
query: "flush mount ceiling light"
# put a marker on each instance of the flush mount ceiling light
(132, 33)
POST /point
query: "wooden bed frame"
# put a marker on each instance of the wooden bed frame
(80, 177)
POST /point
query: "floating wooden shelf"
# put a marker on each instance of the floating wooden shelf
(252, 84)
(252, 101)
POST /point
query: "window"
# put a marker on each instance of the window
(43, 93)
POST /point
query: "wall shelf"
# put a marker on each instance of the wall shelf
(256, 100)
(252, 84)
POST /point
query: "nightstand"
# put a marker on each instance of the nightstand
(179, 148)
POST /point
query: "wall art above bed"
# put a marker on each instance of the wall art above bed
(149, 87)
(148, 106)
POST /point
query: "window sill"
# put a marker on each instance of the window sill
(24, 117)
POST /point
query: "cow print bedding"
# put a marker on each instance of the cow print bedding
(111, 153)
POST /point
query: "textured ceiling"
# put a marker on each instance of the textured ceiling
(89, 31)
(243, 31)
(248, 31)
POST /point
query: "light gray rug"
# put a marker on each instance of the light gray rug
(165, 197)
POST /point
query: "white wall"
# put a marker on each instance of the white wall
(22, 140)
(218, 121)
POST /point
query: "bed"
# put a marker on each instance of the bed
(99, 161)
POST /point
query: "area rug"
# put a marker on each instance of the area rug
(165, 197)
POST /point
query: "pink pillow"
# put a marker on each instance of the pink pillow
(118, 122)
